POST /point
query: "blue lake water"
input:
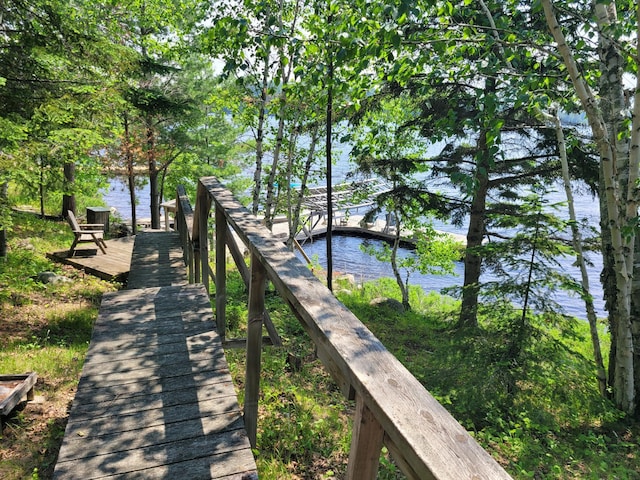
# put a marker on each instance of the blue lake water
(348, 258)
(117, 196)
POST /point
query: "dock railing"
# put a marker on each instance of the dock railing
(391, 407)
(183, 223)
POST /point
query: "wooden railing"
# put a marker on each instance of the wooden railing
(392, 407)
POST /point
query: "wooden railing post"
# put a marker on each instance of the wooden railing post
(222, 230)
(184, 225)
(254, 347)
(203, 237)
(366, 444)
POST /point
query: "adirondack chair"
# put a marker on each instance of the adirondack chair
(86, 232)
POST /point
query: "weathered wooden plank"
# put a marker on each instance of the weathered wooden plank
(222, 234)
(163, 366)
(160, 309)
(101, 425)
(433, 443)
(184, 226)
(24, 388)
(171, 324)
(147, 386)
(175, 370)
(132, 343)
(114, 265)
(366, 443)
(165, 351)
(90, 442)
(218, 467)
(154, 296)
(168, 455)
(238, 259)
(254, 347)
(199, 468)
(136, 346)
(158, 260)
(120, 405)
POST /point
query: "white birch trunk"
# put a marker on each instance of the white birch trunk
(577, 245)
(624, 388)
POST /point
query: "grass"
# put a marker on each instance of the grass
(540, 417)
(303, 418)
(46, 328)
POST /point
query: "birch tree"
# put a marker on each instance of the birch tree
(616, 132)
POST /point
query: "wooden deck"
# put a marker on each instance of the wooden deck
(155, 399)
(114, 266)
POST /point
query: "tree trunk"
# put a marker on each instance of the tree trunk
(580, 260)
(619, 213)
(619, 172)
(294, 217)
(131, 182)
(68, 198)
(131, 178)
(635, 320)
(4, 188)
(270, 207)
(152, 161)
(257, 173)
(404, 289)
(3, 243)
(329, 163)
(41, 191)
(155, 199)
(285, 73)
(632, 208)
(475, 235)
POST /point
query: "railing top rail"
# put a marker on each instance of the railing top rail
(183, 207)
(433, 444)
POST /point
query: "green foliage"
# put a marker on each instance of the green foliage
(53, 108)
(46, 329)
(524, 411)
(433, 253)
(542, 417)
(303, 419)
(527, 261)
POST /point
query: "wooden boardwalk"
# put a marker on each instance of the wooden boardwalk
(155, 399)
(157, 261)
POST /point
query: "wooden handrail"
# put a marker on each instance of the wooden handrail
(183, 223)
(392, 407)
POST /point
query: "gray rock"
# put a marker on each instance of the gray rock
(389, 303)
(52, 278)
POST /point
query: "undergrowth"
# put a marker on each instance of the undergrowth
(46, 329)
(540, 416)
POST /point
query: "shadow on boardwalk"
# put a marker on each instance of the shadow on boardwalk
(155, 398)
